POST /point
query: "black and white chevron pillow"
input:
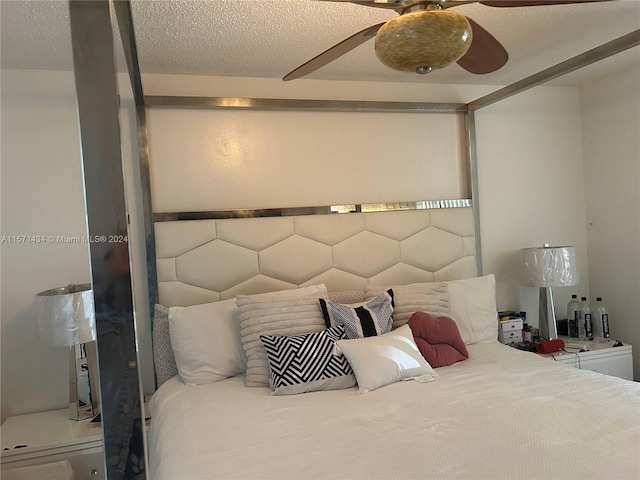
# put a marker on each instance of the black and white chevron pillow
(306, 363)
(366, 319)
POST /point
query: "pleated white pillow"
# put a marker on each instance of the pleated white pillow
(415, 297)
(290, 312)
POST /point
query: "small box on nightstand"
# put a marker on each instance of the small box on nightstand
(510, 331)
(510, 327)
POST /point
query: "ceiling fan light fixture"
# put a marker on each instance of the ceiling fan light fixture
(423, 40)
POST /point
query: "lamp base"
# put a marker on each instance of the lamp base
(547, 315)
(83, 380)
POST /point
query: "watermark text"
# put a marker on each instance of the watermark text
(64, 238)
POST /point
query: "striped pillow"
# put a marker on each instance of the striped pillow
(365, 319)
(306, 363)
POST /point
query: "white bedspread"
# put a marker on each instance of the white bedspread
(501, 414)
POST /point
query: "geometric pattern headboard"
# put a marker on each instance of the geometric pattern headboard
(200, 261)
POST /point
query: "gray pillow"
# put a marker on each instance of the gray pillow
(163, 357)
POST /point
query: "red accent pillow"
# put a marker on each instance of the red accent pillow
(438, 339)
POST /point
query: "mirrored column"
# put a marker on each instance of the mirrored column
(107, 219)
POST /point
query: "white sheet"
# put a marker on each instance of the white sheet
(501, 414)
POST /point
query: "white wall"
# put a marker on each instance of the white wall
(42, 194)
(531, 189)
(611, 144)
(203, 159)
(195, 85)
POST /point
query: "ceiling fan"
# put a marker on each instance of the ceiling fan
(427, 36)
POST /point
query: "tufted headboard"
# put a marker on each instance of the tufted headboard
(201, 261)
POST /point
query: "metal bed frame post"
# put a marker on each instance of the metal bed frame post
(472, 185)
(108, 223)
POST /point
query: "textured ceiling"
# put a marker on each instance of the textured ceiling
(269, 38)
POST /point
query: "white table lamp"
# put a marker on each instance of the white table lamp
(547, 267)
(66, 318)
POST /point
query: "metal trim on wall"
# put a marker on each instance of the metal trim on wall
(324, 210)
(303, 105)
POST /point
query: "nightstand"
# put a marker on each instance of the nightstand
(50, 437)
(601, 357)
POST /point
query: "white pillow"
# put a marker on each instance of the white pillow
(289, 312)
(385, 359)
(206, 342)
(432, 298)
(472, 305)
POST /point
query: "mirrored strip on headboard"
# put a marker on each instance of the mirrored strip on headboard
(207, 260)
(281, 212)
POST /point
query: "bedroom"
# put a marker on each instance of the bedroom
(520, 178)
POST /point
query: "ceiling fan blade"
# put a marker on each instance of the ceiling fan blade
(534, 3)
(334, 52)
(485, 55)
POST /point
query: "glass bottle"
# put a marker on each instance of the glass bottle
(573, 316)
(601, 319)
(586, 323)
(595, 325)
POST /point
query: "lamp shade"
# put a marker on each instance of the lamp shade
(66, 315)
(548, 267)
(423, 40)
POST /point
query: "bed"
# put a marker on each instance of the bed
(500, 414)
(221, 412)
